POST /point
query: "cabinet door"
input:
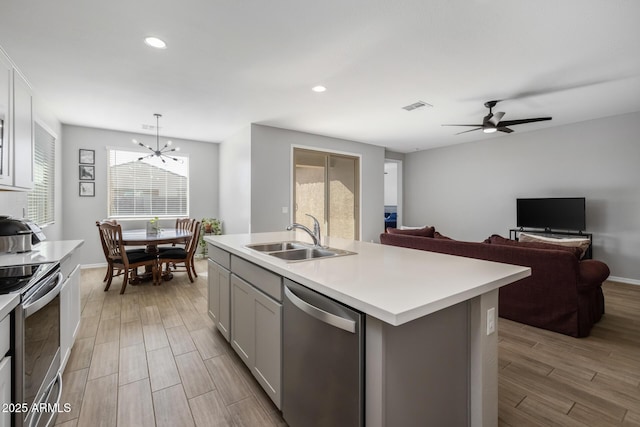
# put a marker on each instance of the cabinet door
(74, 310)
(22, 133)
(242, 319)
(268, 339)
(224, 319)
(5, 121)
(5, 391)
(69, 314)
(214, 291)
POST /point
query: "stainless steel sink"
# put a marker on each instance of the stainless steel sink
(278, 246)
(297, 251)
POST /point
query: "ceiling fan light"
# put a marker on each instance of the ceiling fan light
(489, 130)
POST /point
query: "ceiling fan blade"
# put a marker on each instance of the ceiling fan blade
(470, 130)
(505, 130)
(462, 125)
(495, 119)
(523, 121)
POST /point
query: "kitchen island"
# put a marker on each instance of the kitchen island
(428, 357)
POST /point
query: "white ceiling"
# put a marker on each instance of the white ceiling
(234, 62)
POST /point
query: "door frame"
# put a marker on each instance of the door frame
(400, 187)
(328, 151)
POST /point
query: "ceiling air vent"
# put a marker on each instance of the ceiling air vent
(416, 105)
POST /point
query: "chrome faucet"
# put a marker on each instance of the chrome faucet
(315, 234)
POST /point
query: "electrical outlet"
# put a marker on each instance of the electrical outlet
(491, 320)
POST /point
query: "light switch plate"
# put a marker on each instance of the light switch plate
(491, 320)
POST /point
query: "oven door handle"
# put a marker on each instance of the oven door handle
(36, 305)
(35, 421)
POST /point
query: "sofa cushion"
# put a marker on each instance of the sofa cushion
(499, 240)
(437, 235)
(421, 232)
(581, 243)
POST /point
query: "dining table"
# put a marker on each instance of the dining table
(140, 237)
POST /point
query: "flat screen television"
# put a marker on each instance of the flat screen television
(558, 213)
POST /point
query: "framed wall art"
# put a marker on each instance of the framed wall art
(87, 172)
(87, 189)
(87, 157)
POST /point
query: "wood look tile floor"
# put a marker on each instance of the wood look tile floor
(152, 357)
(549, 379)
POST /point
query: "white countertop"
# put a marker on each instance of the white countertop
(7, 303)
(47, 251)
(393, 284)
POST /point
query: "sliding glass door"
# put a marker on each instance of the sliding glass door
(327, 186)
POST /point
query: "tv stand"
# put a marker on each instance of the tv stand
(547, 232)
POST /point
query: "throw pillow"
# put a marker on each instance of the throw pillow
(581, 243)
(499, 240)
(420, 232)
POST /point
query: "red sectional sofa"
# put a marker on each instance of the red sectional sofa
(563, 293)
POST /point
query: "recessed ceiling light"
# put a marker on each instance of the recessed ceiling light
(155, 42)
(319, 89)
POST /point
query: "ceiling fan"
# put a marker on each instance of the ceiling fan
(493, 122)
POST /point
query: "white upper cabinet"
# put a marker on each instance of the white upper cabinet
(22, 134)
(16, 132)
(6, 178)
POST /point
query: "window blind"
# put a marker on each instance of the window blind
(41, 200)
(147, 188)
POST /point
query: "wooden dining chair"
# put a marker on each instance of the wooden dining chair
(178, 255)
(182, 224)
(111, 271)
(119, 258)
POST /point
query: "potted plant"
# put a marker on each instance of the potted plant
(209, 226)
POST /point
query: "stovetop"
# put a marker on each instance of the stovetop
(18, 279)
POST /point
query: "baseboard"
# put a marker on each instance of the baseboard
(624, 280)
(102, 264)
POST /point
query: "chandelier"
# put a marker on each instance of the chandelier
(159, 152)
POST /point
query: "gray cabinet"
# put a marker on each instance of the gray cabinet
(245, 302)
(256, 325)
(219, 297)
(242, 319)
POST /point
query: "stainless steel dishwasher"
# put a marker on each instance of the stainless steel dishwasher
(323, 360)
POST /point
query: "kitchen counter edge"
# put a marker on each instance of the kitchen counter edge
(382, 311)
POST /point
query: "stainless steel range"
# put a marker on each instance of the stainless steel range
(37, 382)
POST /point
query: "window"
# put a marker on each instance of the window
(40, 200)
(147, 188)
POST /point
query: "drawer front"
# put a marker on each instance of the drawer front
(266, 281)
(220, 256)
(5, 336)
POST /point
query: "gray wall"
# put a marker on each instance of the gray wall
(271, 166)
(469, 191)
(235, 183)
(81, 213)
